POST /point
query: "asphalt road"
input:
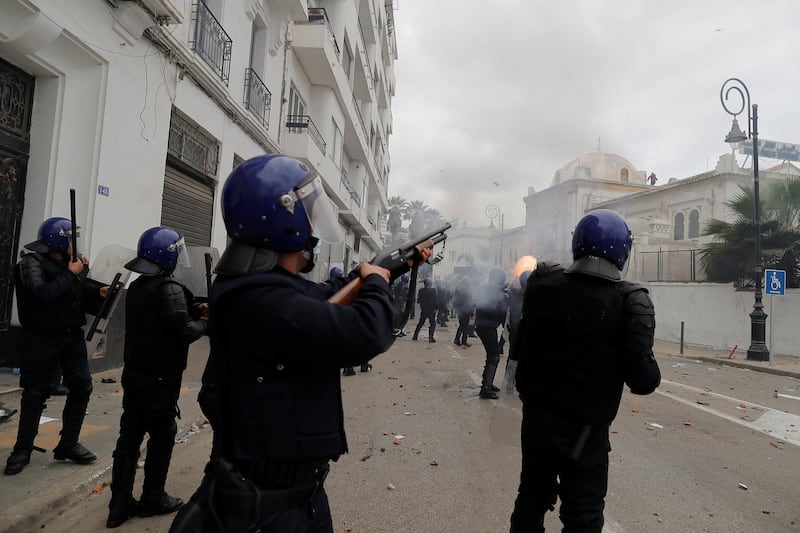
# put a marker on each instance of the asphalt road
(713, 450)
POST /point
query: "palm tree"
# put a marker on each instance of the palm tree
(397, 210)
(414, 214)
(731, 257)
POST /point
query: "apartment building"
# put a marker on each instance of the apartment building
(144, 107)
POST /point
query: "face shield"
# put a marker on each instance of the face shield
(321, 213)
(78, 241)
(179, 246)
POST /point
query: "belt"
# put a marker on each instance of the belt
(267, 475)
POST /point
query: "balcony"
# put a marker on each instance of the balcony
(210, 41)
(315, 46)
(257, 98)
(300, 124)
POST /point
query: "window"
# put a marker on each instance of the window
(258, 47)
(694, 224)
(678, 228)
(336, 147)
(624, 175)
(347, 61)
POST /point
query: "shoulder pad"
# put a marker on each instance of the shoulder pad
(547, 267)
(638, 302)
(28, 255)
(628, 287)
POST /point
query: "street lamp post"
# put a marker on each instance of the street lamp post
(492, 212)
(758, 318)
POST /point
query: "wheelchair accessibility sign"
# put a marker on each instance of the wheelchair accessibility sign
(775, 282)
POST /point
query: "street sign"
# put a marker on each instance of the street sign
(775, 282)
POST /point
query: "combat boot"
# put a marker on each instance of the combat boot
(122, 505)
(366, 367)
(31, 407)
(154, 500)
(487, 385)
(74, 412)
(348, 371)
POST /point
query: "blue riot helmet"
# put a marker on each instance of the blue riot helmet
(523, 278)
(274, 203)
(336, 272)
(405, 278)
(54, 235)
(160, 249)
(601, 244)
(427, 282)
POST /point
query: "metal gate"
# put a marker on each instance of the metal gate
(187, 206)
(16, 101)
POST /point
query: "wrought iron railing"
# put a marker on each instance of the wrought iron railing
(210, 40)
(320, 16)
(301, 123)
(670, 265)
(190, 145)
(257, 98)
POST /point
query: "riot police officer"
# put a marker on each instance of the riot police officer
(53, 295)
(276, 349)
(428, 302)
(161, 320)
(491, 308)
(583, 334)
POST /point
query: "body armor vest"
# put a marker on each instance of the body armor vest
(48, 295)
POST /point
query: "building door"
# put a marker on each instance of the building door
(187, 206)
(16, 99)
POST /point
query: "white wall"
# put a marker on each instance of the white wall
(717, 316)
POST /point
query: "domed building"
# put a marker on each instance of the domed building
(577, 187)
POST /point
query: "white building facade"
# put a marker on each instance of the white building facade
(144, 108)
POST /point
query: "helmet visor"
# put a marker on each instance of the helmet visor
(179, 246)
(321, 213)
(78, 241)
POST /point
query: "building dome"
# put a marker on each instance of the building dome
(597, 166)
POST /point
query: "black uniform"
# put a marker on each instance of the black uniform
(158, 330)
(276, 350)
(574, 355)
(491, 308)
(52, 302)
(427, 298)
(464, 307)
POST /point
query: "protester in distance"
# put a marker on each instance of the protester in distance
(427, 298)
(276, 349)
(53, 297)
(161, 321)
(584, 333)
(464, 307)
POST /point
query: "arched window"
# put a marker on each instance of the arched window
(694, 224)
(624, 175)
(678, 226)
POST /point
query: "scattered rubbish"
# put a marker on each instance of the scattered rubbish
(688, 424)
(390, 486)
(766, 512)
(659, 426)
(747, 418)
(743, 405)
(711, 515)
(635, 410)
(348, 527)
(397, 442)
(775, 445)
(5, 415)
(434, 463)
(757, 408)
(679, 365)
(97, 489)
(703, 402)
(733, 351)
(712, 369)
(408, 414)
(399, 437)
(108, 380)
(742, 486)
(740, 408)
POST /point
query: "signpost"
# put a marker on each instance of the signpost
(775, 285)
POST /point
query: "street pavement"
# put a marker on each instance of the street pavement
(61, 496)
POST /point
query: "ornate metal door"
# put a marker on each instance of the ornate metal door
(16, 98)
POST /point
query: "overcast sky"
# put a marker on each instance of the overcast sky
(493, 97)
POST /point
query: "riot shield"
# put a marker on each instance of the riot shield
(506, 425)
(103, 270)
(198, 276)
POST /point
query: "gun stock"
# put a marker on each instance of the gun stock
(347, 294)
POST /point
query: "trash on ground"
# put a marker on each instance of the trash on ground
(659, 426)
(108, 380)
(775, 445)
(434, 463)
(687, 423)
(98, 489)
(390, 486)
(635, 410)
(742, 486)
(703, 402)
(679, 365)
